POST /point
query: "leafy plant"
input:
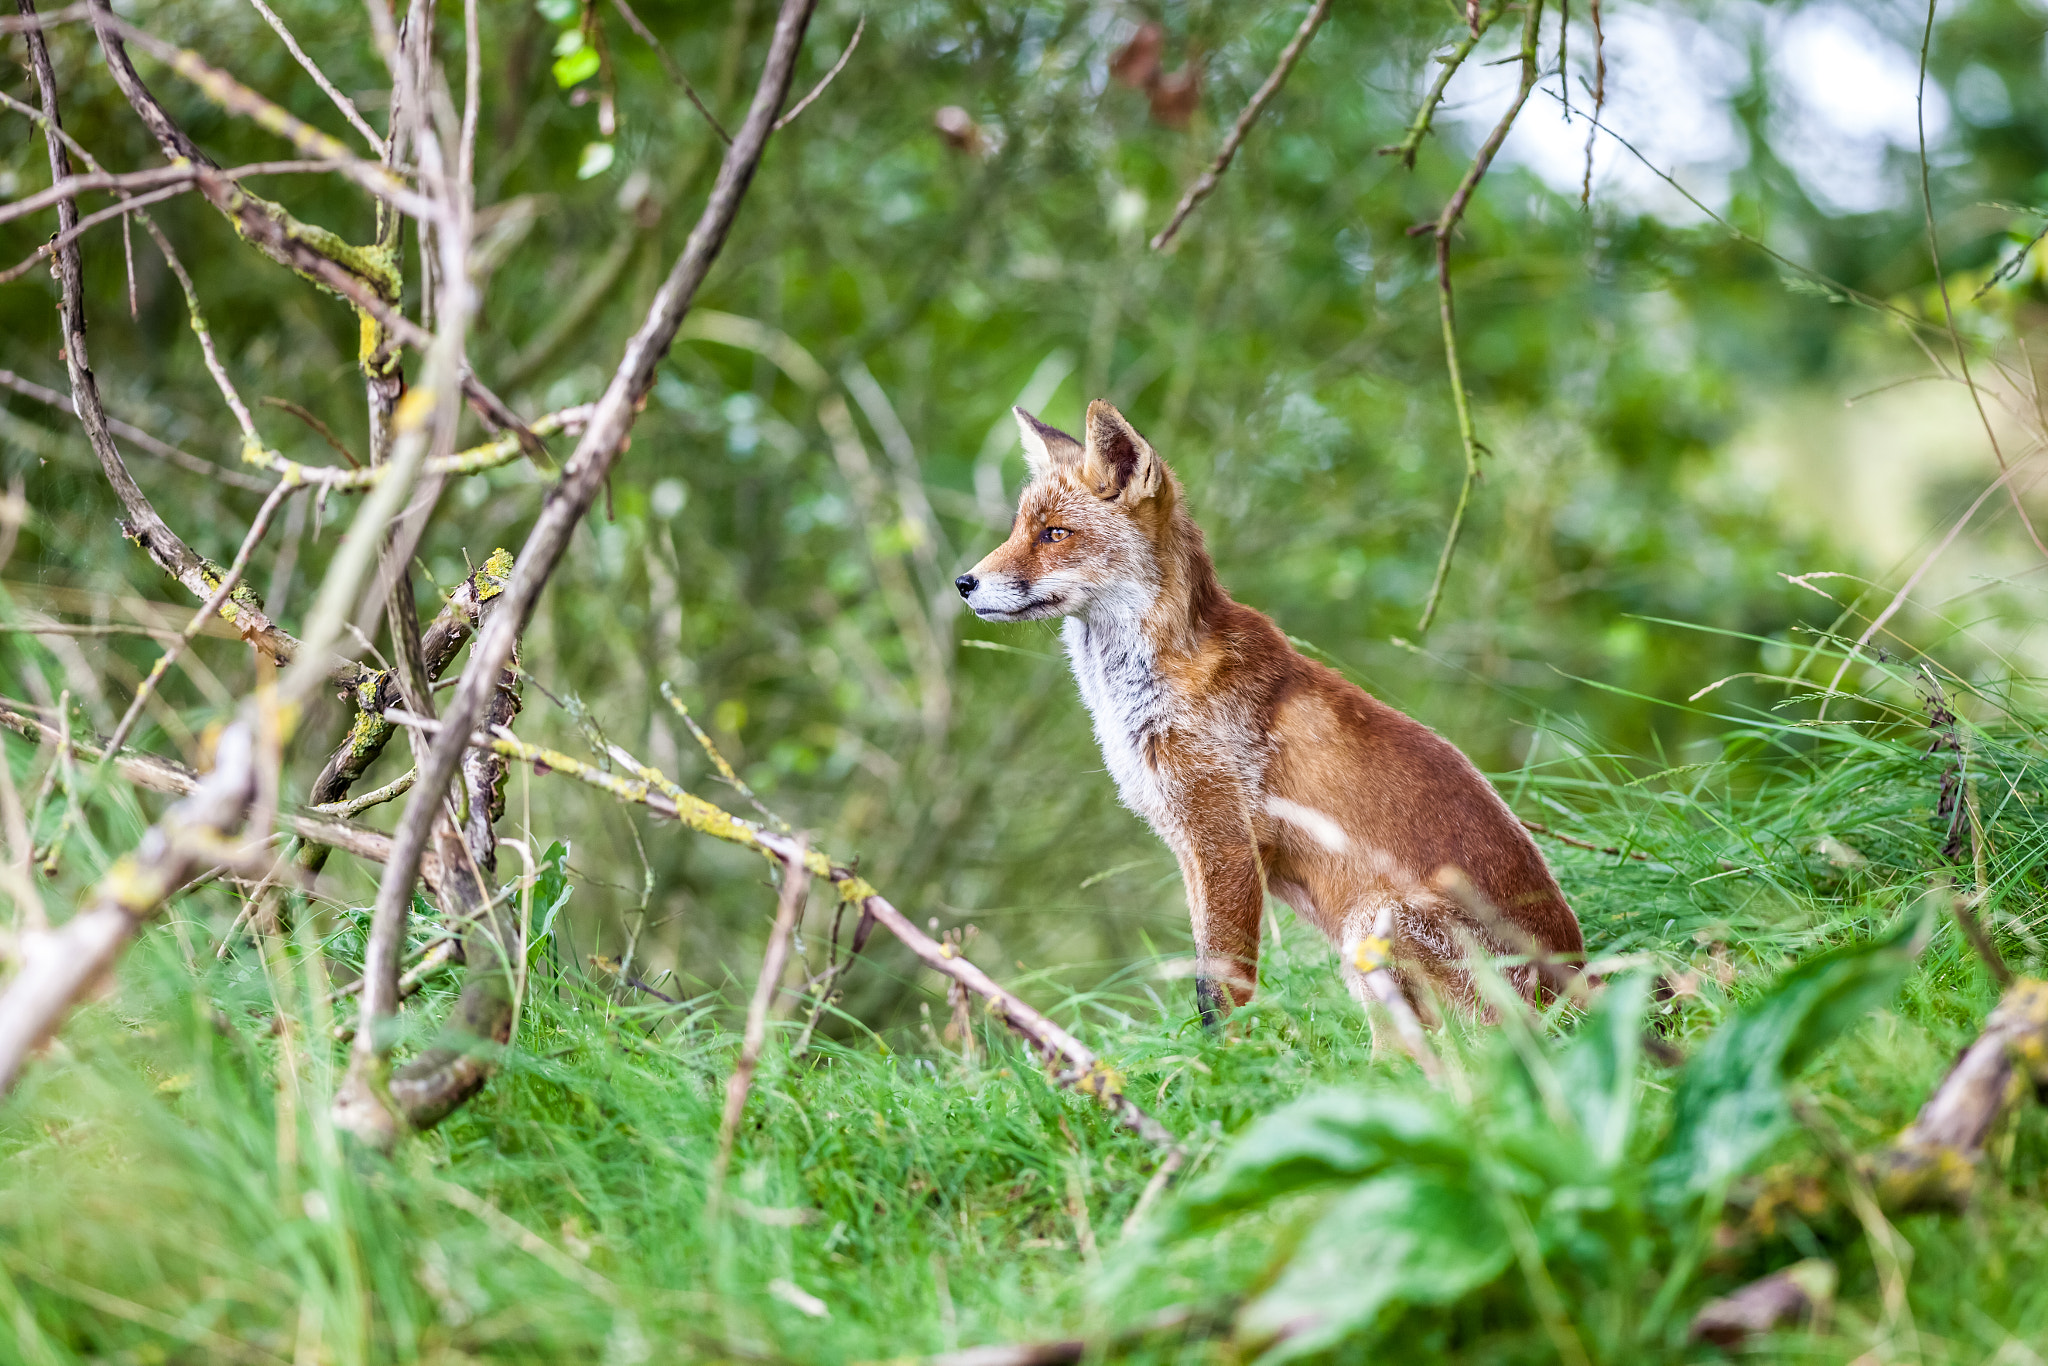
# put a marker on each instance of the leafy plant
(1541, 1158)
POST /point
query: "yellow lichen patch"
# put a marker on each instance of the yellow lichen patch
(1100, 1080)
(490, 580)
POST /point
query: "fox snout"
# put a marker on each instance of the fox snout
(994, 595)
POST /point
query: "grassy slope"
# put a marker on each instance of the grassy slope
(154, 1206)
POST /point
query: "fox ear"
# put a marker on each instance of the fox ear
(1045, 448)
(1120, 463)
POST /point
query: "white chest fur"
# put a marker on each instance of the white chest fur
(1113, 663)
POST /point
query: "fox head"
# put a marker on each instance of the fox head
(1091, 525)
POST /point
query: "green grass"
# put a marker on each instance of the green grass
(173, 1191)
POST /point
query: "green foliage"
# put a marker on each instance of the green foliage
(1538, 1152)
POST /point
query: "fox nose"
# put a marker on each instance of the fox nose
(966, 584)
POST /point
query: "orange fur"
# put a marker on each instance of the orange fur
(1261, 769)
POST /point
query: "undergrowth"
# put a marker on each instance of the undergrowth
(173, 1190)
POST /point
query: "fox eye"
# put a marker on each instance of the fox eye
(1054, 533)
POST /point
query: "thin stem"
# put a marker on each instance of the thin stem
(860, 26)
(1446, 224)
(342, 102)
(1418, 127)
(1948, 312)
(1599, 101)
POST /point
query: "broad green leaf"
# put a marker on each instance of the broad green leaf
(1329, 1136)
(550, 893)
(1413, 1236)
(1731, 1103)
(1598, 1071)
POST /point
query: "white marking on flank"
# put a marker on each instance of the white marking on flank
(1320, 827)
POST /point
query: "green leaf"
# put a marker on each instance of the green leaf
(557, 11)
(576, 67)
(550, 893)
(1731, 1103)
(1413, 1236)
(1321, 1138)
(1598, 1072)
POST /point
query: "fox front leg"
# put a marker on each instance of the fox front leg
(1219, 862)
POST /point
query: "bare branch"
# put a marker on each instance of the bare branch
(72, 186)
(314, 252)
(231, 95)
(1246, 117)
(142, 524)
(1934, 1161)
(79, 229)
(585, 472)
(1083, 1069)
(1599, 100)
(489, 456)
(31, 22)
(1418, 127)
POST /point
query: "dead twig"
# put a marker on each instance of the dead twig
(229, 581)
(342, 102)
(1539, 828)
(718, 760)
(1804, 1291)
(1418, 127)
(149, 179)
(1080, 1067)
(860, 26)
(789, 908)
(1207, 181)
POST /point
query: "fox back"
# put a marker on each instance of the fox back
(1261, 769)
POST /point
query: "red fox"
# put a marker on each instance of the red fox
(1260, 768)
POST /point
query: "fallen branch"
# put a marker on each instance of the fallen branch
(1933, 1163)
(1207, 181)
